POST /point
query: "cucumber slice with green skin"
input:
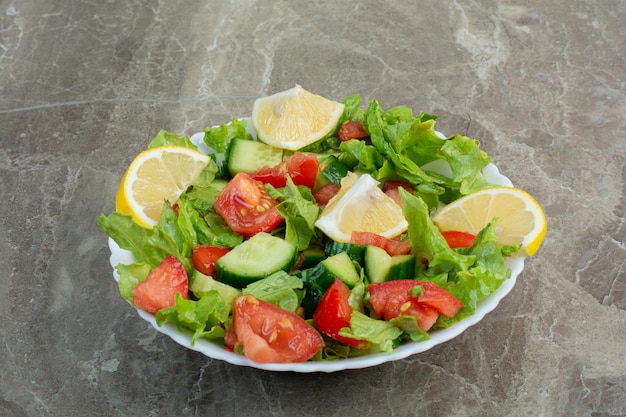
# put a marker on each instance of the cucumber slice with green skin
(250, 156)
(200, 285)
(256, 258)
(311, 256)
(341, 266)
(319, 278)
(402, 267)
(334, 171)
(380, 266)
(354, 251)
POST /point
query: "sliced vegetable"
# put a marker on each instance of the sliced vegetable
(302, 168)
(457, 239)
(159, 289)
(249, 156)
(204, 257)
(333, 313)
(256, 258)
(246, 207)
(270, 334)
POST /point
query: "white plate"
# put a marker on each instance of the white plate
(216, 351)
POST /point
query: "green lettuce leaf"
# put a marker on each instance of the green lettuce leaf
(280, 289)
(147, 245)
(203, 317)
(165, 138)
(299, 209)
(380, 333)
(130, 276)
(219, 139)
(427, 241)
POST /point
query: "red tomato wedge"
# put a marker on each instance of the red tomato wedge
(246, 207)
(204, 257)
(458, 239)
(334, 312)
(325, 193)
(352, 130)
(159, 289)
(302, 169)
(395, 184)
(393, 299)
(271, 334)
(391, 188)
(391, 246)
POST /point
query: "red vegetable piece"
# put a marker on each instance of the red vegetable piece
(352, 130)
(392, 299)
(159, 289)
(271, 334)
(334, 312)
(459, 239)
(391, 246)
(204, 257)
(246, 207)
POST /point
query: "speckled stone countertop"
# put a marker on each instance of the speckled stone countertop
(84, 86)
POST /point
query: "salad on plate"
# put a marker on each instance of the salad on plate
(317, 235)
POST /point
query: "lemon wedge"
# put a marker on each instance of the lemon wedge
(294, 118)
(361, 206)
(156, 175)
(520, 218)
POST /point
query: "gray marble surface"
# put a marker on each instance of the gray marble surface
(84, 85)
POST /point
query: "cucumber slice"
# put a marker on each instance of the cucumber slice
(380, 266)
(334, 171)
(341, 266)
(200, 285)
(377, 263)
(402, 267)
(249, 156)
(354, 251)
(256, 258)
(311, 256)
(319, 278)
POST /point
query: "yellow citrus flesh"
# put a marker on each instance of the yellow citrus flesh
(363, 207)
(154, 176)
(520, 218)
(294, 118)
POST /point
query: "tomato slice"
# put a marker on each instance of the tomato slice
(393, 299)
(159, 289)
(325, 193)
(391, 188)
(334, 312)
(302, 169)
(391, 246)
(204, 257)
(271, 334)
(352, 130)
(459, 239)
(439, 299)
(246, 207)
(395, 184)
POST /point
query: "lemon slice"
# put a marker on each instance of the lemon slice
(363, 207)
(520, 218)
(156, 175)
(294, 118)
